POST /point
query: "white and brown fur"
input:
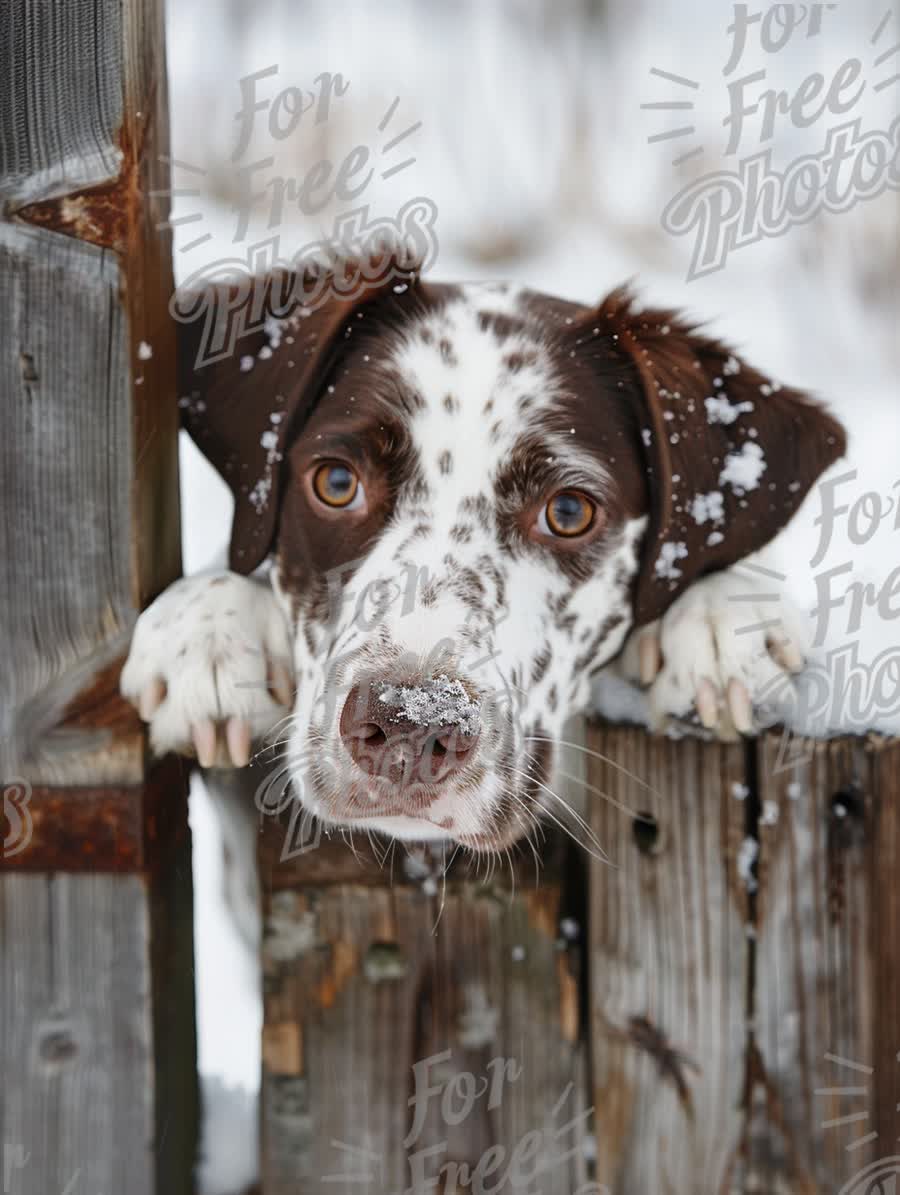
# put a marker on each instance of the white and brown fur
(463, 409)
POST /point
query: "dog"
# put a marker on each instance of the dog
(455, 505)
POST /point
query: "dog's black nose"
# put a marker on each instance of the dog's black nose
(412, 733)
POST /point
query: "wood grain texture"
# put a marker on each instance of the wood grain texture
(89, 457)
(743, 964)
(376, 992)
(61, 95)
(669, 963)
(827, 1020)
(780, 977)
(66, 604)
(96, 1024)
(94, 987)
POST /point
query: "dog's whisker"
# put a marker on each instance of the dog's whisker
(272, 759)
(348, 842)
(595, 755)
(449, 863)
(273, 731)
(536, 857)
(512, 873)
(386, 852)
(602, 857)
(528, 820)
(577, 818)
(443, 899)
(600, 793)
(372, 848)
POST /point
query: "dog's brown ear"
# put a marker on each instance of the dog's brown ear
(252, 358)
(729, 454)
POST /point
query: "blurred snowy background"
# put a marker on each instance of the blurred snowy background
(530, 137)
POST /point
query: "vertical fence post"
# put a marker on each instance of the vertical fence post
(827, 1020)
(668, 965)
(97, 1046)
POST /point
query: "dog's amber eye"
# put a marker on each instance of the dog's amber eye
(568, 514)
(336, 485)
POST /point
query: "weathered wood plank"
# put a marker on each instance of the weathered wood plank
(827, 1019)
(884, 944)
(668, 957)
(66, 598)
(93, 991)
(89, 457)
(378, 994)
(744, 949)
(96, 1024)
(61, 96)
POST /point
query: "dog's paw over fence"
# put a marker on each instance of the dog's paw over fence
(715, 1008)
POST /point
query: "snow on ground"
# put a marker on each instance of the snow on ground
(229, 1017)
(533, 144)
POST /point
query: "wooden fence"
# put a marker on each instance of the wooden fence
(716, 1009)
(96, 994)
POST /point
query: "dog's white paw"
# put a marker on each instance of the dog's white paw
(722, 646)
(210, 667)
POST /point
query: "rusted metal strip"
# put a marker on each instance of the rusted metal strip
(123, 830)
(106, 214)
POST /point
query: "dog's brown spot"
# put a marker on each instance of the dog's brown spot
(541, 664)
(610, 624)
(477, 505)
(517, 361)
(503, 326)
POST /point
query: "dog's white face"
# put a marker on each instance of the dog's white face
(492, 488)
(451, 529)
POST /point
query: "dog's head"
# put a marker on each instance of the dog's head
(471, 495)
